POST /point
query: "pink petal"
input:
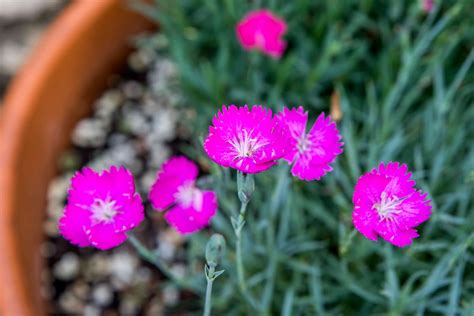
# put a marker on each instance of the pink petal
(294, 121)
(392, 233)
(132, 217)
(190, 219)
(367, 191)
(247, 140)
(175, 172)
(101, 207)
(104, 236)
(390, 190)
(313, 153)
(262, 30)
(72, 225)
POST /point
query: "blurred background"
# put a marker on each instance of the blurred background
(398, 78)
(21, 24)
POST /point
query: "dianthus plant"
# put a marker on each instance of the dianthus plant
(103, 207)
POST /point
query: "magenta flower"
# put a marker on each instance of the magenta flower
(190, 209)
(311, 153)
(387, 204)
(247, 140)
(263, 31)
(101, 208)
(427, 5)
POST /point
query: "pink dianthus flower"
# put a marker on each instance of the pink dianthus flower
(247, 140)
(387, 204)
(427, 5)
(190, 209)
(101, 208)
(263, 31)
(311, 153)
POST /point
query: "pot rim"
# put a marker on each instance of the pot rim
(19, 105)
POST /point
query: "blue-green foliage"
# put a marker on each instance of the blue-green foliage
(406, 85)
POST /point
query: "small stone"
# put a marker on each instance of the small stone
(122, 267)
(140, 60)
(163, 126)
(57, 192)
(102, 295)
(128, 306)
(80, 289)
(158, 155)
(69, 303)
(136, 123)
(117, 139)
(90, 132)
(163, 75)
(170, 295)
(97, 268)
(14, 9)
(168, 240)
(68, 267)
(146, 181)
(119, 155)
(155, 308)
(108, 104)
(91, 310)
(132, 89)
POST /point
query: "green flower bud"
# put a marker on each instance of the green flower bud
(215, 250)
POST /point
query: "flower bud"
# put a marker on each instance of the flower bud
(245, 186)
(215, 250)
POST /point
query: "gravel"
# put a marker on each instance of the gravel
(135, 124)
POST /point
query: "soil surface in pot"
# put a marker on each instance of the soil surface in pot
(133, 124)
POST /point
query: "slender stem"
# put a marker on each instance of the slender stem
(245, 189)
(208, 302)
(238, 246)
(152, 258)
(279, 196)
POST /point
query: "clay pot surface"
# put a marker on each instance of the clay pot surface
(54, 89)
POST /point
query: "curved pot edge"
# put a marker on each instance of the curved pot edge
(17, 297)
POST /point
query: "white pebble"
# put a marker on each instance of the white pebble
(102, 295)
(68, 267)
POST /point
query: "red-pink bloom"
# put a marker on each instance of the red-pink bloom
(175, 187)
(101, 208)
(387, 204)
(427, 5)
(263, 31)
(311, 153)
(247, 140)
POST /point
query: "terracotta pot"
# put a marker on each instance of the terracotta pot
(55, 88)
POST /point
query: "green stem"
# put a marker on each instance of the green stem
(238, 246)
(245, 188)
(278, 197)
(208, 302)
(152, 258)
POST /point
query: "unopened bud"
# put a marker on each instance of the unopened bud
(215, 249)
(245, 186)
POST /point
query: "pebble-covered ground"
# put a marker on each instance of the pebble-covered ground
(22, 22)
(134, 124)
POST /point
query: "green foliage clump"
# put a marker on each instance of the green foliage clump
(406, 86)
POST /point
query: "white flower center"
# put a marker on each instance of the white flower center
(244, 145)
(303, 144)
(387, 208)
(188, 195)
(103, 211)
